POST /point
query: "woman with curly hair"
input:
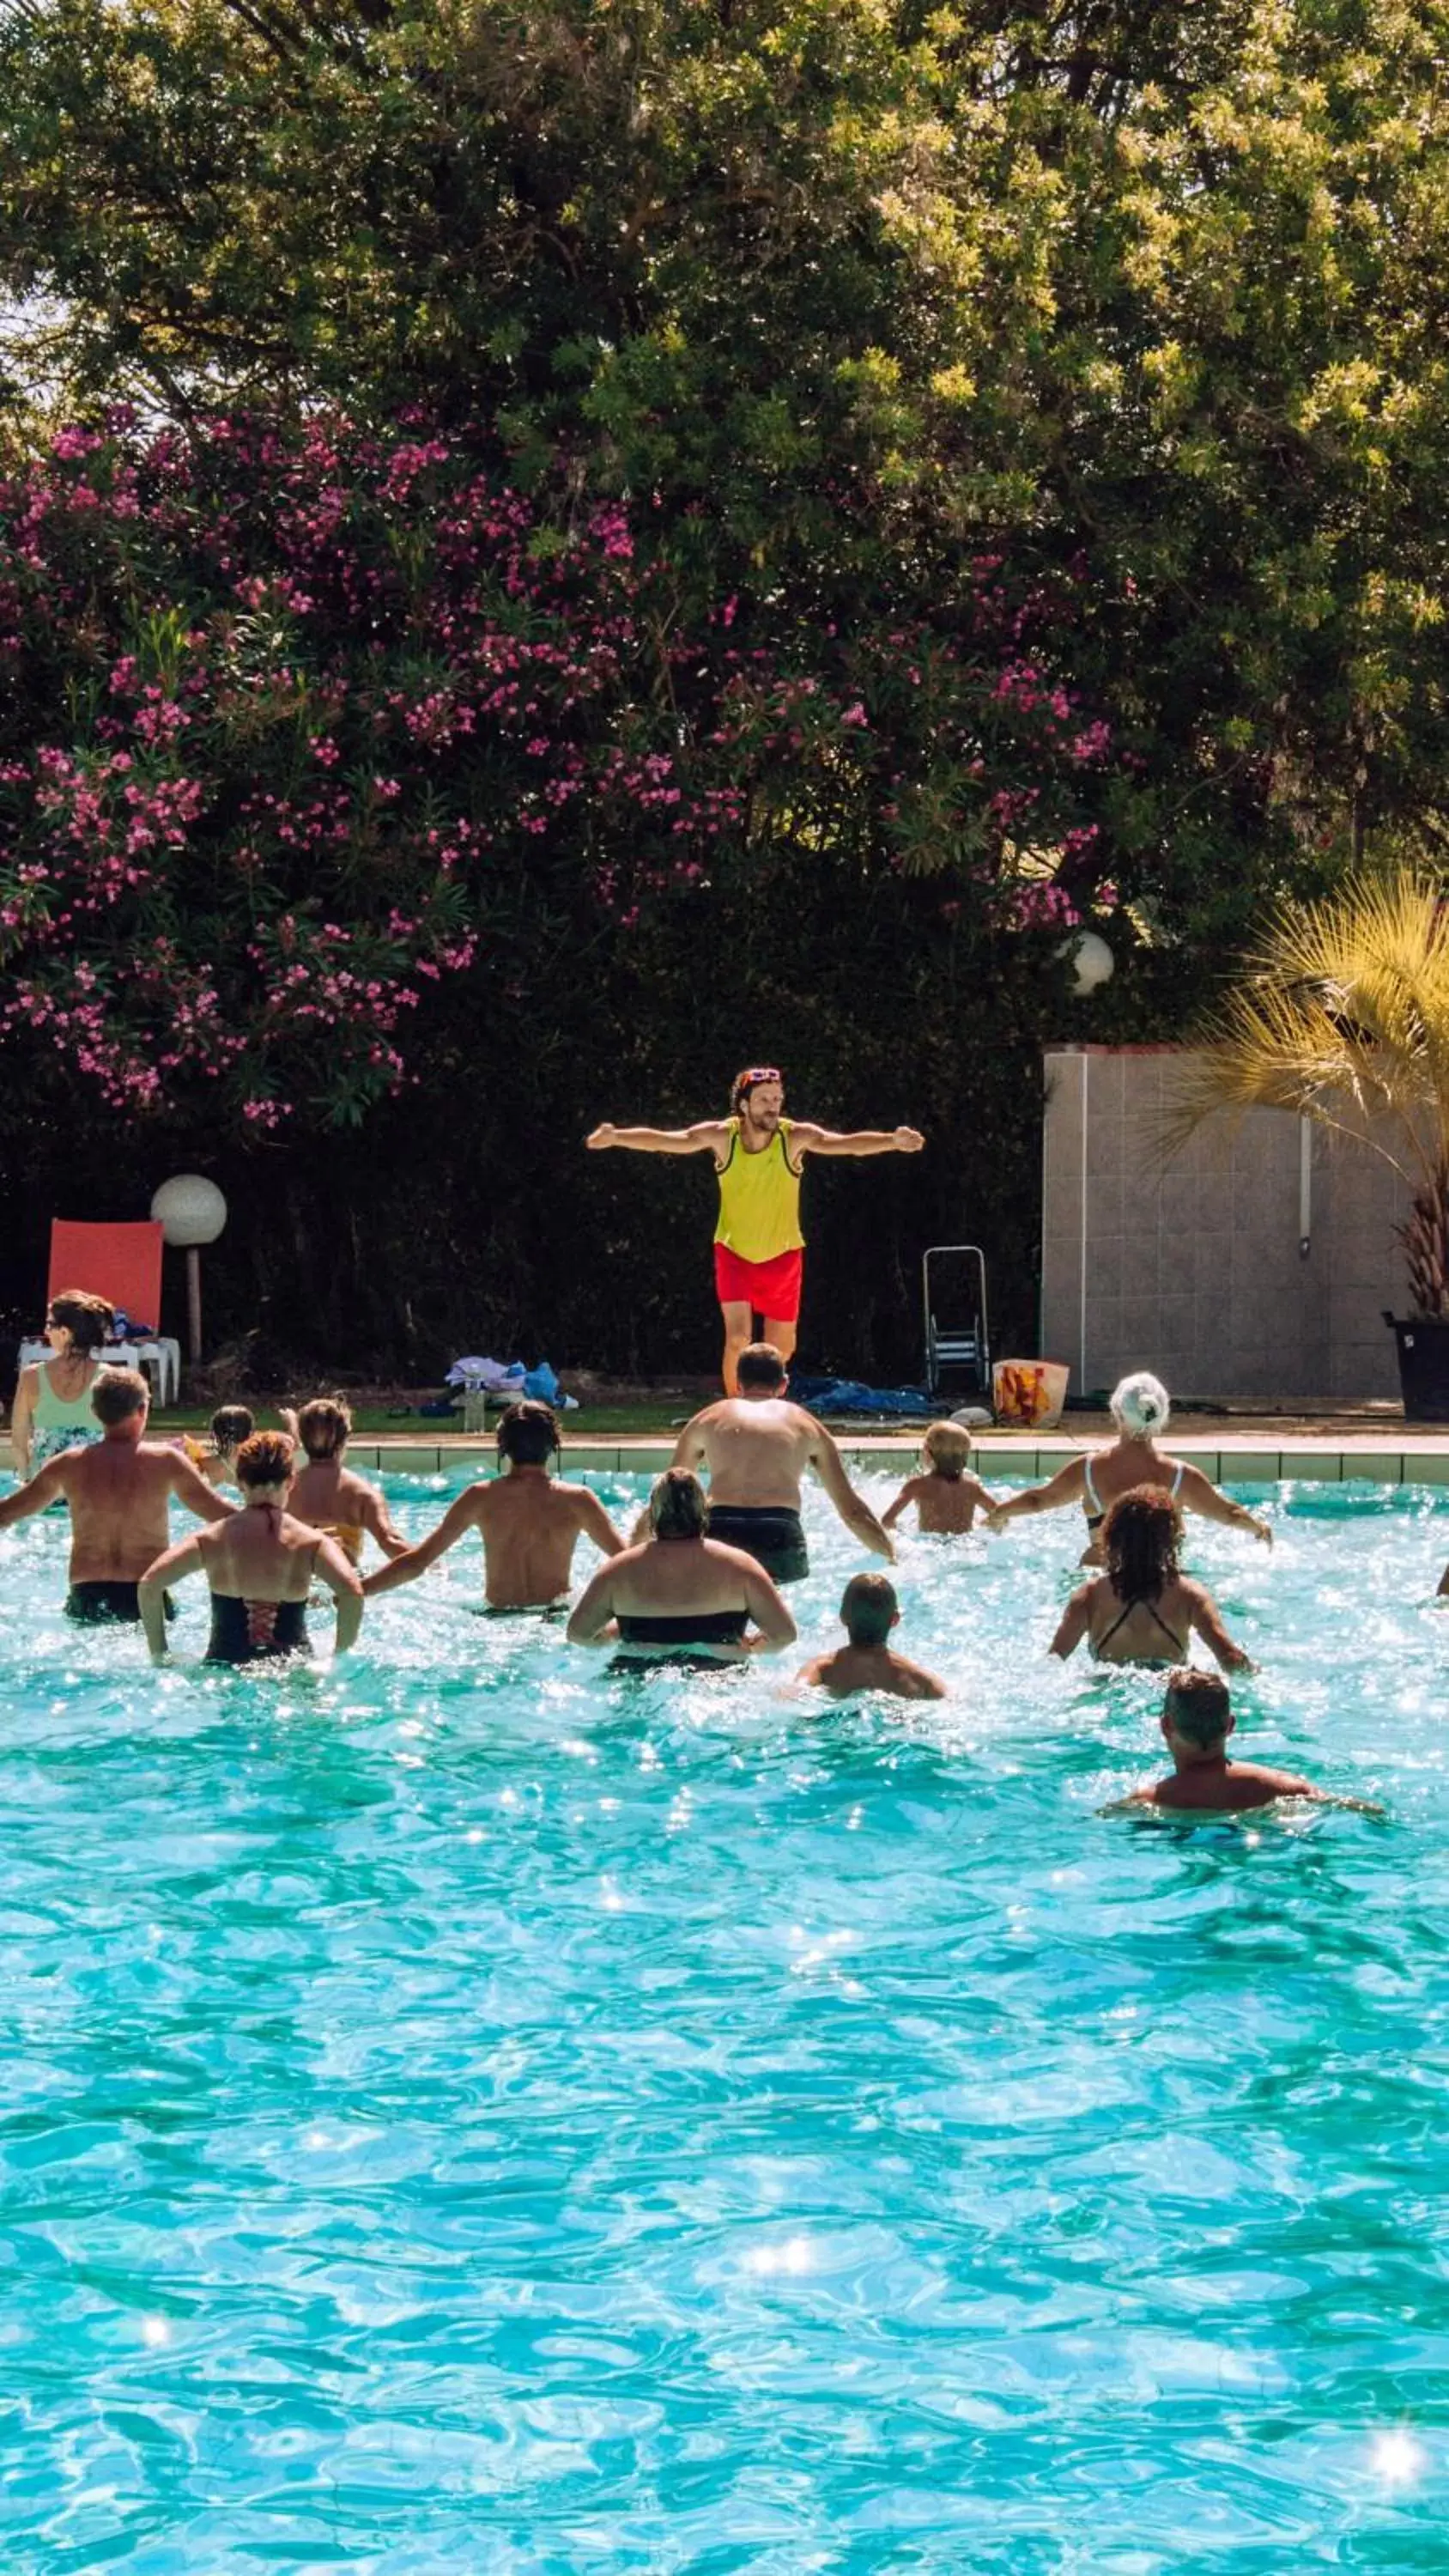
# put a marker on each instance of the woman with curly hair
(1143, 1610)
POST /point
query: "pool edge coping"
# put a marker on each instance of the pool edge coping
(1410, 1460)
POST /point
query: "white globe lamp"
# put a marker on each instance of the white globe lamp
(1091, 961)
(190, 1211)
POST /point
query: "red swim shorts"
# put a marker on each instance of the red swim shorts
(770, 1288)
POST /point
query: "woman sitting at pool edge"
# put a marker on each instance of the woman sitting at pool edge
(679, 1596)
(1142, 1610)
(1140, 1407)
(261, 1570)
(53, 1398)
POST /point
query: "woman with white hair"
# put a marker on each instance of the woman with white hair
(1140, 1407)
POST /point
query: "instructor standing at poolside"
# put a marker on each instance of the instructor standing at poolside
(759, 1155)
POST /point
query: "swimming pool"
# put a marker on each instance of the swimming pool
(472, 2113)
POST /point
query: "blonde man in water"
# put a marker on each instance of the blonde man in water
(1140, 1407)
(759, 1156)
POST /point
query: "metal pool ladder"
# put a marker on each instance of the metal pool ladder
(958, 1337)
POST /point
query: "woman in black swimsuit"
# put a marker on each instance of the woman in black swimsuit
(259, 1563)
(1142, 1610)
(680, 1597)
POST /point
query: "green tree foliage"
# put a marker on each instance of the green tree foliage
(846, 284)
(1145, 303)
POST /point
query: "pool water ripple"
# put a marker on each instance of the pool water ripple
(472, 2111)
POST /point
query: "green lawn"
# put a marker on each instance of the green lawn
(371, 1422)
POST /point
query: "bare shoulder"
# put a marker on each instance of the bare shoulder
(921, 1684)
(1185, 1473)
(1280, 1784)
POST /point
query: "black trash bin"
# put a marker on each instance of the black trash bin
(1423, 1342)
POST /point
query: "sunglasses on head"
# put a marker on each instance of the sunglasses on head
(757, 1073)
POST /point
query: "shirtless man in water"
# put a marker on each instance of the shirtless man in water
(869, 1610)
(530, 1523)
(118, 1494)
(1197, 1720)
(756, 1447)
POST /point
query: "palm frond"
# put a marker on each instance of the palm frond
(1343, 1017)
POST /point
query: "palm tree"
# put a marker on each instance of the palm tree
(1344, 1018)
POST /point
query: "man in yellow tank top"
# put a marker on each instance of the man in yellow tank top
(759, 1155)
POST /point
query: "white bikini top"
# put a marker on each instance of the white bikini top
(1098, 1509)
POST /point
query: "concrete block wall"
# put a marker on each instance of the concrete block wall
(1191, 1266)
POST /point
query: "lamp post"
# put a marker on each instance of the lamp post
(190, 1211)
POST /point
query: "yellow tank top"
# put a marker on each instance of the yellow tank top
(759, 1198)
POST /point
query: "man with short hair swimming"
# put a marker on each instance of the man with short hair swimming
(869, 1610)
(118, 1492)
(1197, 1719)
(759, 1156)
(529, 1520)
(755, 1446)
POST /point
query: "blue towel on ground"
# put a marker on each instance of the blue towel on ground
(827, 1395)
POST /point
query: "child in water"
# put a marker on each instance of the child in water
(230, 1425)
(947, 1500)
(869, 1610)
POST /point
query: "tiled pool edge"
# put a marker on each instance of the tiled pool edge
(1414, 1461)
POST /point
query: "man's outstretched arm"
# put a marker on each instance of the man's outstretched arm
(459, 1517)
(44, 1489)
(860, 1140)
(711, 1136)
(853, 1508)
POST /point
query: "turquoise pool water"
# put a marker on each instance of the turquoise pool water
(468, 2113)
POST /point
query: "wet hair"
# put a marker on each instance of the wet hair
(1140, 1536)
(267, 1458)
(1197, 1706)
(1141, 1405)
(324, 1427)
(760, 1364)
(231, 1424)
(868, 1606)
(88, 1320)
(749, 1080)
(677, 1505)
(528, 1433)
(117, 1393)
(949, 1449)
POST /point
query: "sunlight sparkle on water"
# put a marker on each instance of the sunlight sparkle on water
(1398, 2459)
(793, 2256)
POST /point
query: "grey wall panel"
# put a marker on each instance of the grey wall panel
(1191, 1266)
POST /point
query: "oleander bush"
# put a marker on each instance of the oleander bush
(545, 552)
